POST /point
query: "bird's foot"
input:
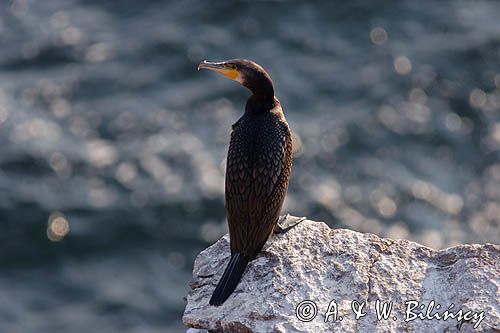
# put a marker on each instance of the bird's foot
(287, 222)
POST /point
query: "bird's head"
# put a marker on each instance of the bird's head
(246, 72)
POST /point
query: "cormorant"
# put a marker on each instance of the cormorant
(258, 168)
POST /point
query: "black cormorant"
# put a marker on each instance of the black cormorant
(258, 168)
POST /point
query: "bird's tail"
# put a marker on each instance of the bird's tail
(230, 278)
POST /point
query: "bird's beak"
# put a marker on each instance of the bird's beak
(220, 67)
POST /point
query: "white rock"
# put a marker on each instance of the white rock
(196, 330)
(313, 262)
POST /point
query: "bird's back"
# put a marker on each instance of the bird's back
(257, 173)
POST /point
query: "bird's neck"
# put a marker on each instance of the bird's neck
(262, 89)
(257, 104)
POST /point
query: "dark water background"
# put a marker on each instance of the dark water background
(107, 128)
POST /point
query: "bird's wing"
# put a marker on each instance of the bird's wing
(256, 182)
(238, 180)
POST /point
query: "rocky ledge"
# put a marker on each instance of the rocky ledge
(316, 279)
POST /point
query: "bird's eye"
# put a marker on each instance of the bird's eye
(231, 66)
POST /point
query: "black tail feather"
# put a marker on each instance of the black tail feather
(230, 278)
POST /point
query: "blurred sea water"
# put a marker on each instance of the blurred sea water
(112, 145)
